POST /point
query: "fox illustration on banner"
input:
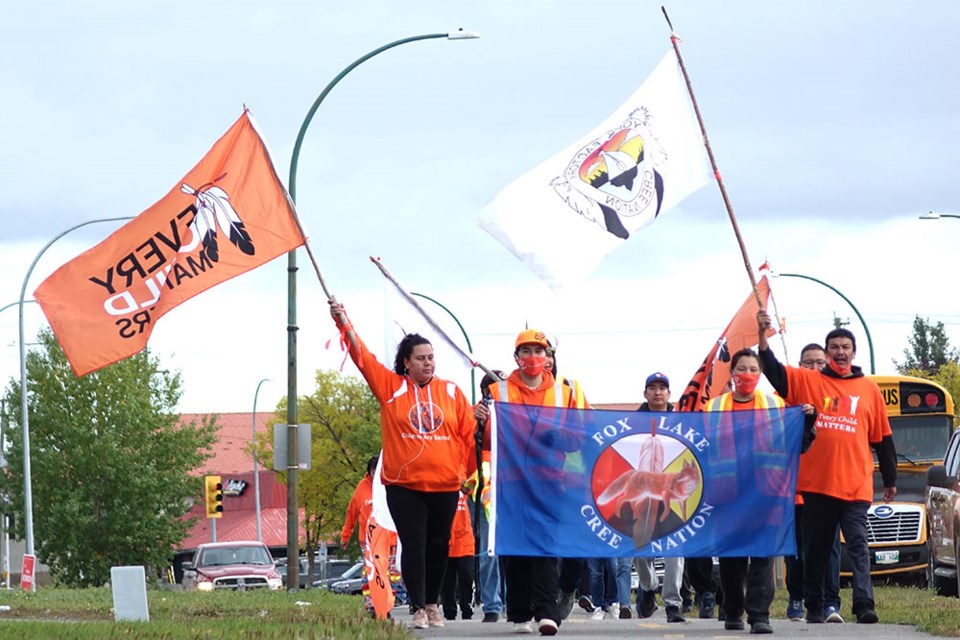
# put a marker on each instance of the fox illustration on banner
(563, 217)
(228, 215)
(644, 484)
(713, 375)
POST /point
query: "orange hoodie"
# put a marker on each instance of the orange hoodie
(461, 533)
(358, 511)
(427, 432)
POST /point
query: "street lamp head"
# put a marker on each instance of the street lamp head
(930, 215)
(460, 34)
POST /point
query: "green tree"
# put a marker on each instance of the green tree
(929, 348)
(345, 432)
(109, 464)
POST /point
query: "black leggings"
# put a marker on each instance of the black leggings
(423, 522)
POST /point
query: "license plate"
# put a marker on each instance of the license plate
(887, 557)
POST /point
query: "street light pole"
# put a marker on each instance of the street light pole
(933, 215)
(866, 330)
(473, 385)
(14, 304)
(292, 508)
(256, 472)
(24, 418)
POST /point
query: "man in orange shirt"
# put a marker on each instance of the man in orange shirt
(836, 474)
(532, 582)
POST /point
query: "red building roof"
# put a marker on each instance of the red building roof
(232, 462)
(232, 450)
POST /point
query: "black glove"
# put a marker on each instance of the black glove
(809, 431)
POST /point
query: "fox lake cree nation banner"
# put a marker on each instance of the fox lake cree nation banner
(590, 483)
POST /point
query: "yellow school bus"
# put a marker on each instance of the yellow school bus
(922, 418)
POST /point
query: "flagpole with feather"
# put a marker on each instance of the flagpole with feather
(674, 40)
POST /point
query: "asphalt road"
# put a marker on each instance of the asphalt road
(579, 626)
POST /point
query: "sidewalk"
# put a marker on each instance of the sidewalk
(579, 626)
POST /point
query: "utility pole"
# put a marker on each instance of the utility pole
(4, 534)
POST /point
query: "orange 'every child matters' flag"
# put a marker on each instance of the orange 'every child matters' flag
(713, 376)
(228, 215)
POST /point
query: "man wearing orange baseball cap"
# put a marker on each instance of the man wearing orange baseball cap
(532, 582)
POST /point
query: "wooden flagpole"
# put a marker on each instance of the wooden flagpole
(430, 321)
(674, 40)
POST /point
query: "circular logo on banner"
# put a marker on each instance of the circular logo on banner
(647, 486)
(425, 417)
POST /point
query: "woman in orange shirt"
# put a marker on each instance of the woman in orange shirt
(427, 430)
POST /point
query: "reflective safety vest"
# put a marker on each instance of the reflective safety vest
(768, 445)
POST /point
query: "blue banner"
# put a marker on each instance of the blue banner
(590, 483)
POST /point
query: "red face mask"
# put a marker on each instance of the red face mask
(532, 365)
(745, 383)
(836, 368)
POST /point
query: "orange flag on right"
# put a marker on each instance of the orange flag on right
(713, 376)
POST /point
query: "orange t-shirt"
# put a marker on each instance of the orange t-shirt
(427, 432)
(461, 533)
(851, 416)
(358, 511)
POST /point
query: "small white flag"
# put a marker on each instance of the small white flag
(564, 217)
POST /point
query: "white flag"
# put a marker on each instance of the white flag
(564, 217)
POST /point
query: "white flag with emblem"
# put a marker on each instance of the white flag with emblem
(565, 216)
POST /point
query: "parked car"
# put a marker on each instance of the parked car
(354, 571)
(304, 577)
(231, 565)
(349, 584)
(943, 521)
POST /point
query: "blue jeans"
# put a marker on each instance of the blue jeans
(489, 577)
(595, 568)
(624, 566)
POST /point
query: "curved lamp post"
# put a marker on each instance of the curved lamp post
(14, 304)
(292, 509)
(473, 384)
(933, 215)
(24, 418)
(256, 472)
(866, 330)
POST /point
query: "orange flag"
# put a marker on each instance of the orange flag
(228, 215)
(379, 543)
(713, 376)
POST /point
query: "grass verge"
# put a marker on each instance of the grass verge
(86, 614)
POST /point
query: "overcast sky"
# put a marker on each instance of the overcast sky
(834, 124)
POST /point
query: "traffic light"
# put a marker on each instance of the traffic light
(214, 496)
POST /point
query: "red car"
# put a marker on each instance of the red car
(232, 565)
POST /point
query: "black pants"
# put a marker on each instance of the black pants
(794, 566)
(821, 515)
(571, 574)
(458, 586)
(700, 573)
(758, 575)
(423, 522)
(533, 584)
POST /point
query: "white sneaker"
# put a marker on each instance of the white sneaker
(548, 627)
(597, 614)
(612, 614)
(420, 619)
(523, 627)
